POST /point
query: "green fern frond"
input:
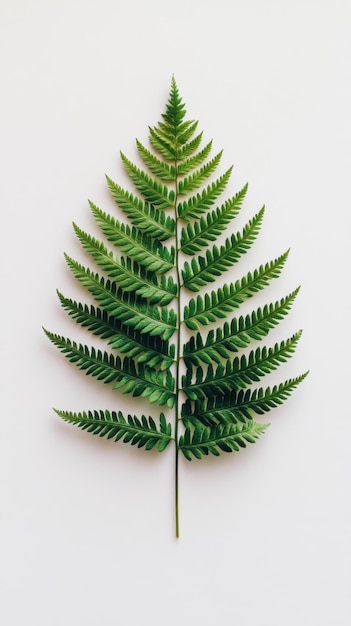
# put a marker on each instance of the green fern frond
(143, 249)
(239, 373)
(201, 202)
(203, 270)
(236, 335)
(143, 215)
(164, 147)
(164, 251)
(162, 170)
(147, 382)
(188, 165)
(140, 380)
(141, 432)
(128, 275)
(153, 191)
(183, 134)
(173, 126)
(142, 348)
(175, 113)
(195, 180)
(198, 235)
(175, 108)
(232, 295)
(221, 438)
(171, 137)
(125, 306)
(238, 405)
(188, 149)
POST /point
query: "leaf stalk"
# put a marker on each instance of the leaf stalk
(178, 356)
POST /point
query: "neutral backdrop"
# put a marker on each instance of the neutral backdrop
(87, 526)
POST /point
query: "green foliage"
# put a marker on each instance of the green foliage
(203, 440)
(167, 250)
(142, 431)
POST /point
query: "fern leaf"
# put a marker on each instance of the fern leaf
(163, 146)
(238, 374)
(197, 235)
(201, 202)
(156, 194)
(124, 306)
(184, 135)
(171, 137)
(140, 432)
(175, 108)
(143, 381)
(129, 276)
(143, 249)
(197, 311)
(162, 170)
(173, 124)
(143, 348)
(236, 335)
(238, 405)
(142, 303)
(169, 150)
(147, 382)
(179, 136)
(221, 438)
(141, 214)
(195, 180)
(187, 150)
(188, 165)
(203, 270)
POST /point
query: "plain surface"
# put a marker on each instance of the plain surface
(87, 530)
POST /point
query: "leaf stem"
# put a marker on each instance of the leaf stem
(178, 356)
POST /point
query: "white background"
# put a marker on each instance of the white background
(87, 529)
